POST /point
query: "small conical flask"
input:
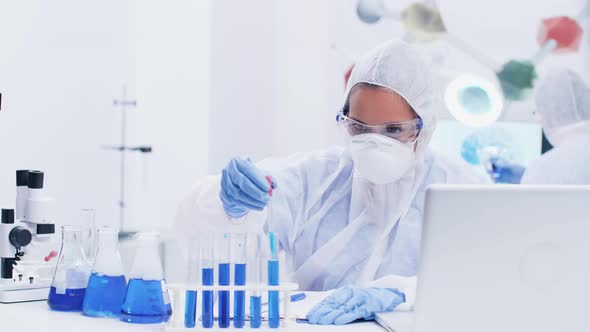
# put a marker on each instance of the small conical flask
(71, 273)
(147, 300)
(107, 284)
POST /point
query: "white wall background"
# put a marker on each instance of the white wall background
(62, 63)
(60, 67)
(172, 56)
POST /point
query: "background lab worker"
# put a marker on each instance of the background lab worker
(563, 103)
(348, 218)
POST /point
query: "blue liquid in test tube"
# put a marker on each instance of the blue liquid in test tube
(239, 296)
(273, 280)
(190, 310)
(273, 267)
(208, 298)
(207, 280)
(255, 311)
(194, 269)
(224, 295)
(255, 245)
(239, 258)
(224, 281)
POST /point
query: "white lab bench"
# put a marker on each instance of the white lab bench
(36, 316)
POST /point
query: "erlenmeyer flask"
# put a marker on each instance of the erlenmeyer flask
(71, 273)
(107, 285)
(147, 300)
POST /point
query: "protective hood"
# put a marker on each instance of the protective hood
(399, 66)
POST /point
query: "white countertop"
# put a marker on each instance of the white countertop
(36, 316)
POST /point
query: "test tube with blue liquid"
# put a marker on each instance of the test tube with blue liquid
(238, 255)
(190, 306)
(224, 278)
(207, 265)
(255, 245)
(273, 280)
(273, 268)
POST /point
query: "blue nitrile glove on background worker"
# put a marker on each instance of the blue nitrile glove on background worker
(503, 171)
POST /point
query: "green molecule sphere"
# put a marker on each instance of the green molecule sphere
(517, 79)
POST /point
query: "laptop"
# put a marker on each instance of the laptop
(502, 258)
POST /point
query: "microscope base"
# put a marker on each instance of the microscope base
(24, 294)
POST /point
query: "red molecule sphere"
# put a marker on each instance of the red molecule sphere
(564, 30)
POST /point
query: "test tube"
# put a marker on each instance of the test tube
(190, 305)
(190, 309)
(207, 280)
(273, 280)
(255, 278)
(224, 249)
(273, 266)
(239, 257)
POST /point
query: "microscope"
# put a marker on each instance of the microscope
(28, 247)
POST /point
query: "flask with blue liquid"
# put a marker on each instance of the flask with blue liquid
(107, 286)
(70, 278)
(146, 300)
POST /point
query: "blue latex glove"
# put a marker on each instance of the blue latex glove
(506, 172)
(348, 304)
(243, 187)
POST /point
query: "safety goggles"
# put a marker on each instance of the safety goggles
(405, 131)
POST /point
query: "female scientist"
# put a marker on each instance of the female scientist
(348, 218)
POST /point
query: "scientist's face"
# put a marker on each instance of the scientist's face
(377, 106)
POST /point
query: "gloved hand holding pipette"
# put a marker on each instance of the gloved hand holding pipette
(348, 304)
(243, 187)
(504, 171)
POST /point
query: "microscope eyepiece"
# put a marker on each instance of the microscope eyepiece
(35, 180)
(7, 216)
(22, 177)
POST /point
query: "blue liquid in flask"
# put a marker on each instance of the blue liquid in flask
(255, 311)
(273, 296)
(144, 303)
(71, 300)
(207, 298)
(190, 309)
(104, 295)
(224, 295)
(239, 296)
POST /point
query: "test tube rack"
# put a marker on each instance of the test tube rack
(178, 293)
